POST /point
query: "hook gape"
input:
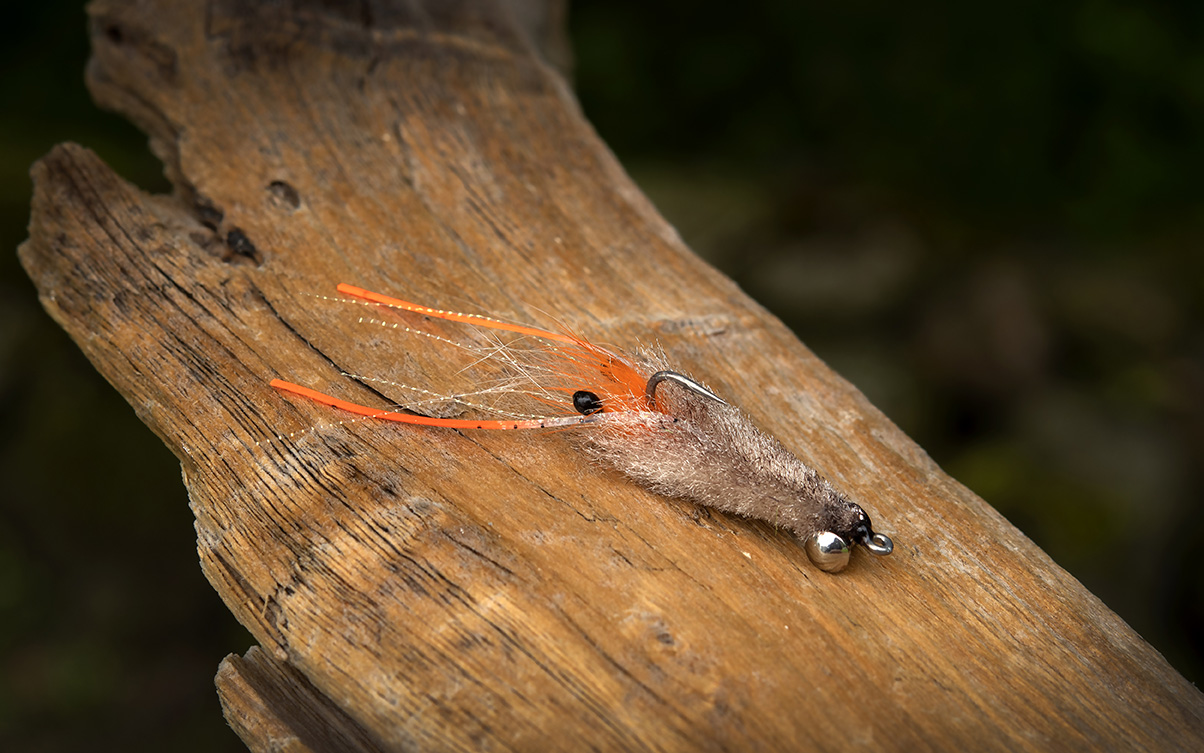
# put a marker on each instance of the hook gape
(683, 380)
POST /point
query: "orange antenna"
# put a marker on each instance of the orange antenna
(613, 376)
(413, 418)
(453, 316)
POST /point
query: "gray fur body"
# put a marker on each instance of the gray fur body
(708, 452)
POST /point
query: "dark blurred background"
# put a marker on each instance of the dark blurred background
(989, 219)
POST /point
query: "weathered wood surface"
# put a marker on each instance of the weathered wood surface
(443, 590)
(273, 707)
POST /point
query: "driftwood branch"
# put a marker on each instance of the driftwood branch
(434, 589)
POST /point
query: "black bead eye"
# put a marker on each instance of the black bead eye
(586, 402)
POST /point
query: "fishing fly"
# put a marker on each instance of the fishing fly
(662, 429)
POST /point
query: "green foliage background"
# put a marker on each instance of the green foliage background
(988, 217)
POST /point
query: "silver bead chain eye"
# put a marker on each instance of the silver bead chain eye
(828, 551)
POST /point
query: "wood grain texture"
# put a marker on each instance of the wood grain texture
(442, 590)
(273, 707)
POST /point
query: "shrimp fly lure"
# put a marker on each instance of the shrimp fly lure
(662, 429)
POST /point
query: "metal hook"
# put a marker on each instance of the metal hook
(683, 380)
(878, 544)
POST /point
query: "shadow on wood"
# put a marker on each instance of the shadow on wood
(436, 589)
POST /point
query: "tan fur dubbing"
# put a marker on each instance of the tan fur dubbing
(698, 449)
